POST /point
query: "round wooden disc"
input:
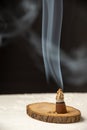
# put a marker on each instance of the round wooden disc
(46, 112)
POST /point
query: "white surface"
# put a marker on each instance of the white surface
(13, 112)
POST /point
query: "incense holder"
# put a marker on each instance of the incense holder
(45, 111)
(54, 113)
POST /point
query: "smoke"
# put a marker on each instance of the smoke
(17, 16)
(51, 34)
(74, 66)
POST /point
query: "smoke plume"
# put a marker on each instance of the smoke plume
(51, 34)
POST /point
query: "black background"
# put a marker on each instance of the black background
(20, 73)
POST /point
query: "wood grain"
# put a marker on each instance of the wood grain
(45, 111)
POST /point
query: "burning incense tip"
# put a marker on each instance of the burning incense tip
(60, 104)
(60, 96)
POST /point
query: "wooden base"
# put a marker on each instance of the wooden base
(46, 112)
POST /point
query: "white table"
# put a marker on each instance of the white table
(13, 112)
